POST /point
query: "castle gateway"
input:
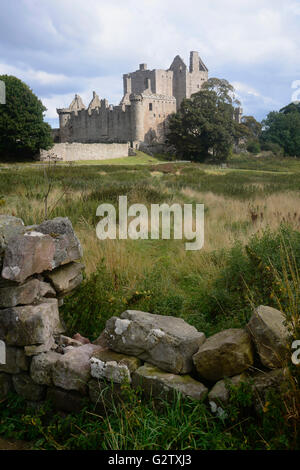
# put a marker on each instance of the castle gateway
(150, 96)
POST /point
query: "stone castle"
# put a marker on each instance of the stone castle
(150, 96)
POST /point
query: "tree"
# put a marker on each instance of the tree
(22, 128)
(253, 146)
(254, 127)
(224, 90)
(283, 128)
(291, 108)
(204, 127)
(247, 134)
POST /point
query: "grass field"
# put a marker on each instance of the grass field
(252, 227)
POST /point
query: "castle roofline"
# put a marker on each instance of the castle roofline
(63, 110)
(155, 96)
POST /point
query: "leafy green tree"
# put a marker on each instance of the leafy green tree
(291, 108)
(204, 127)
(254, 127)
(283, 128)
(22, 128)
(224, 90)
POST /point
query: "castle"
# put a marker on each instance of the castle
(150, 96)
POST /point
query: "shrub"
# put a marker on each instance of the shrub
(253, 147)
(251, 276)
(276, 149)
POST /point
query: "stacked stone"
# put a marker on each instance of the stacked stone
(159, 354)
(38, 268)
(179, 358)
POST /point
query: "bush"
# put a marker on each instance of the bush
(252, 276)
(276, 149)
(93, 303)
(253, 147)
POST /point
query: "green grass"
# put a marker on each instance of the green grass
(140, 158)
(136, 423)
(251, 208)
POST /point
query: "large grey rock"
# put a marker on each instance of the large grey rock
(28, 254)
(27, 388)
(66, 278)
(6, 385)
(225, 354)
(16, 361)
(113, 366)
(9, 227)
(41, 368)
(167, 342)
(25, 294)
(31, 324)
(270, 335)
(72, 370)
(220, 393)
(157, 383)
(67, 245)
(110, 370)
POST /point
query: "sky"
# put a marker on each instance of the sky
(63, 47)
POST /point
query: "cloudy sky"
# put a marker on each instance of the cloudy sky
(63, 47)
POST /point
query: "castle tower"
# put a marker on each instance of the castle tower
(186, 81)
(237, 115)
(65, 116)
(137, 118)
(194, 61)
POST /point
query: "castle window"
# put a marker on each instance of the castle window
(150, 106)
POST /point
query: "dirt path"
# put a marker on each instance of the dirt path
(13, 445)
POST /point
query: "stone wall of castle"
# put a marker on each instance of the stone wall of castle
(150, 96)
(76, 151)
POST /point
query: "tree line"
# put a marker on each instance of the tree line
(204, 128)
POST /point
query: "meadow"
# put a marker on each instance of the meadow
(251, 256)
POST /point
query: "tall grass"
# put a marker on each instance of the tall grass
(251, 251)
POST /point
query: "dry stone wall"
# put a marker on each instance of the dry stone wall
(40, 265)
(75, 151)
